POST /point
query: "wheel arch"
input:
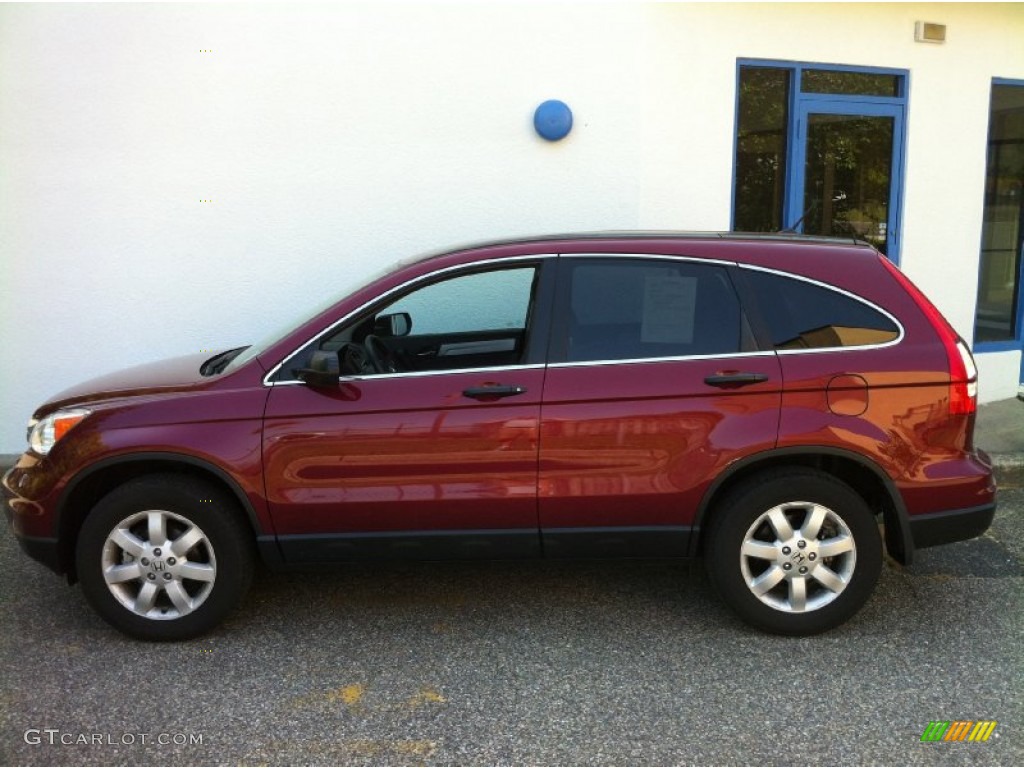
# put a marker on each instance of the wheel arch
(99, 479)
(863, 475)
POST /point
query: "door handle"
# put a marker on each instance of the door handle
(494, 392)
(733, 380)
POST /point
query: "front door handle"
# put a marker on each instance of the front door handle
(493, 392)
(733, 380)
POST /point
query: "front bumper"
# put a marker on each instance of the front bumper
(42, 548)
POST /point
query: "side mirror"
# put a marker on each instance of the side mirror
(323, 372)
(395, 324)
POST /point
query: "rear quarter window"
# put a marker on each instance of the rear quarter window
(803, 315)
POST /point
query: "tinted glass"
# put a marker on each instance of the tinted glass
(802, 315)
(761, 132)
(848, 177)
(849, 83)
(1002, 233)
(624, 310)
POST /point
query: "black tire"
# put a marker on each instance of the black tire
(178, 550)
(745, 552)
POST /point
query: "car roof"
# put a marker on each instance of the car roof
(655, 234)
(641, 235)
(612, 238)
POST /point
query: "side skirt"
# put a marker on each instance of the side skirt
(513, 544)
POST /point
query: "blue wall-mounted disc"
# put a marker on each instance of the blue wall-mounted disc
(553, 120)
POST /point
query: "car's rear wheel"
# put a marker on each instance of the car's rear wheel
(794, 552)
(165, 557)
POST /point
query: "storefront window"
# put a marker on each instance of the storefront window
(819, 151)
(761, 136)
(997, 317)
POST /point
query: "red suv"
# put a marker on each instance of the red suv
(780, 406)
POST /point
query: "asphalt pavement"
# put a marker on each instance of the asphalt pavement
(505, 663)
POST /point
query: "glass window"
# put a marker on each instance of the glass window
(847, 177)
(626, 310)
(849, 83)
(1002, 233)
(761, 143)
(818, 152)
(802, 315)
(475, 320)
(484, 301)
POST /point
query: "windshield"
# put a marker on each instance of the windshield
(306, 314)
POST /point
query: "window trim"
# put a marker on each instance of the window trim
(799, 101)
(439, 372)
(649, 257)
(677, 359)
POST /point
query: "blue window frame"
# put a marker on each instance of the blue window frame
(999, 312)
(820, 149)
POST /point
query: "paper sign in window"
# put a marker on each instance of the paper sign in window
(670, 308)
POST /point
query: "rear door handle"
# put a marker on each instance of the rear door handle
(733, 380)
(493, 393)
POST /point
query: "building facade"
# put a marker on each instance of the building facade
(184, 177)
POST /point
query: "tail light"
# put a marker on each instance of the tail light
(963, 374)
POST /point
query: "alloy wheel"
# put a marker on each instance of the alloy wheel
(158, 565)
(798, 557)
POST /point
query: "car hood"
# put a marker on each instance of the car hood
(174, 374)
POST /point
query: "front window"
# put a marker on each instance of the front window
(283, 329)
(479, 319)
(475, 303)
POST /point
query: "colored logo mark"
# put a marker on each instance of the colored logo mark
(959, 730)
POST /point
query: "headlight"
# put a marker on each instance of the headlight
(46, 431)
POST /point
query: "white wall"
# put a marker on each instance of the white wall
(331, 140)
(998, 374)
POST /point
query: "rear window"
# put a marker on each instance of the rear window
(802, 315)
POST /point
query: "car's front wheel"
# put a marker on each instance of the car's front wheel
(794, 552)
(165, 557)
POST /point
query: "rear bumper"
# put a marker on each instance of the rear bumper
(964, 485)
(954, 525)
